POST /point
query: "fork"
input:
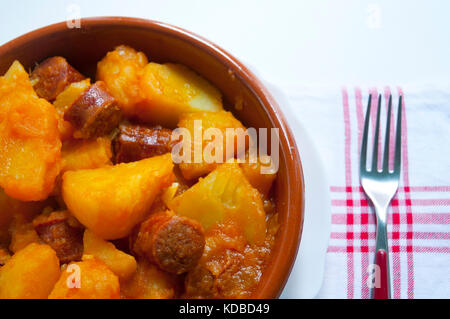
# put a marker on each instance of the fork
(380, 186)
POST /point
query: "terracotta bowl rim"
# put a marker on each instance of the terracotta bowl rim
(273, 281)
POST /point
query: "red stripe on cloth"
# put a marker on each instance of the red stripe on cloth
(432, 218)
(419, 218)
(364, 236)
(342, 189)
(395, 241)
(397, 235)
(408, 202)
(401, 249)
(429, 202)
(409, 215)
(348, 182)
(429, 188)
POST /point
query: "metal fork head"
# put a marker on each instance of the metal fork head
(381, 185)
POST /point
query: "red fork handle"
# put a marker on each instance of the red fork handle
(382, 292)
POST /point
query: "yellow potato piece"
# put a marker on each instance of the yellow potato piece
(170, 90)
(4, 256)
(122, 264)
(88, 279)
(10, 207)
(225, 194)
(259, 179)
(30, 145)
(111, 200)
(169, 193)
(149, 282)
(30, 273)
(121, 70)
(85, 154)
(22, 236)
(221, 121)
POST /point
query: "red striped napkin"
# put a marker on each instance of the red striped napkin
(419, 216)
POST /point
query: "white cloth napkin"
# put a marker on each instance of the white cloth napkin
(419, 218)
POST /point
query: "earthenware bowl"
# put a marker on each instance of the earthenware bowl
(243, 92)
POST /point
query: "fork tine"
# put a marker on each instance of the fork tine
(363, 158)
(375, 143)
(387, 137)
(398, 138)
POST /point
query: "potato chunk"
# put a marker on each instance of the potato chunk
(4, 256)
(259, 179)
(10, 207)
(111, 200)
(64, 100)
(30, 146)
(172, 89)
(30, 273)
(121, 70)
(88, 279)
(122, 264)
(225, 194)
(84, 154)
(221, 121)
(149, 282)
(22, 235)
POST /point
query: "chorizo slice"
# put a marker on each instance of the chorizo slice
(136, 142)
(199, 283)
(95, 113)
(51, 77)
(174, 243)
(63, 233)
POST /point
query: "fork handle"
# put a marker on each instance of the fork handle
(382, 288)
(382, 292)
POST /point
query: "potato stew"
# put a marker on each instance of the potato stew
(92, 204)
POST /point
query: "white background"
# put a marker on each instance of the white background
(326, 42)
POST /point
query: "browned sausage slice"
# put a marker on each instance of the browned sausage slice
(94, 113)
(136, 142)
(62, 233)
(199, 283)
(174, 243)
(51, 77)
